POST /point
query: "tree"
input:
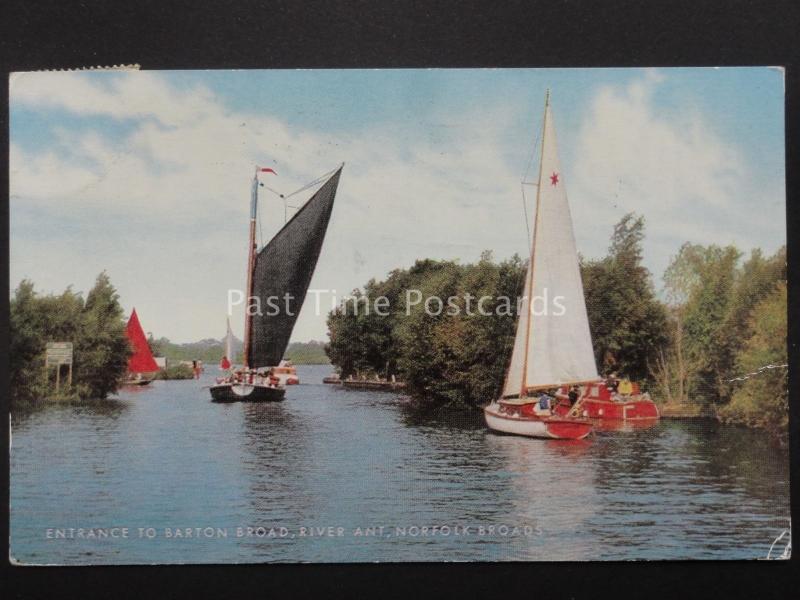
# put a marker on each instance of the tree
(710, 300)
(34, 321)
(455, 359)
(156, 346)
(628, 323)
(101, 348)
(762, 399)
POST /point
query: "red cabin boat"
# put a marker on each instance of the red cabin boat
(598, 402)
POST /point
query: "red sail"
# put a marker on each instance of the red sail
(142, 360)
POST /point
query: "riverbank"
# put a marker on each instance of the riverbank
(685, 410)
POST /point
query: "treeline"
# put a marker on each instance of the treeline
(307, 353)
(211, 350)
(726, 320)
(717, 319)
(444, 359)
(95, 326)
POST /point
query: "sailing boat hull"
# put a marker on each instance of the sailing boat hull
(550, 427)
(242, 392)
(137, 382)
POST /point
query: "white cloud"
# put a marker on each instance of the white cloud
(167, 204)
(164, 207)
(689, 182)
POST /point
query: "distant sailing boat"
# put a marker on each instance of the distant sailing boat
(553, 344)
(228, 342)
(283, 266)
(142, 366)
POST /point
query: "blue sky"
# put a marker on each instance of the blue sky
(146, 174)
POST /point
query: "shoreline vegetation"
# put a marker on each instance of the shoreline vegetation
(720, 317)
(96, 328)
(714, 344)
(101, 349)
(211, 350)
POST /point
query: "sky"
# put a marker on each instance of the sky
(146, 175)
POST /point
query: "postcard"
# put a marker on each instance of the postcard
(342, 316)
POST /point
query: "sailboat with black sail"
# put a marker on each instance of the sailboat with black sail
(553, 344)
(279, 271)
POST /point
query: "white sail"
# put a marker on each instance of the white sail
(553, 344)
(229, 343)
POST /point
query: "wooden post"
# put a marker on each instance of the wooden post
(58, 376)
(69, 377)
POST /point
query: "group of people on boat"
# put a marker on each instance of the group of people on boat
(549, 399)
(618, 388)
(247, 376)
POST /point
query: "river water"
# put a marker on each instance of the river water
(333, 475)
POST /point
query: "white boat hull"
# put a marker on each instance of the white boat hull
(545, 428)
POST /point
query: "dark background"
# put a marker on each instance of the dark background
(384, 33)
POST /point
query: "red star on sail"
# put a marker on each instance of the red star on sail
(554, 178)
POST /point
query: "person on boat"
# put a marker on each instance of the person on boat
(625, 387)
(573, 395)
(612, 383)
(224, 364)
(195, 369)
(545, 401)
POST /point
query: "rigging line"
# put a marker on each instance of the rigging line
(525, 210)
(312, 184)
(533, 153)
(523, 183)
(276, 192)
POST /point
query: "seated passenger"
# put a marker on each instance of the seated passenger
(573, 395)
(544, 404)
(625, 387)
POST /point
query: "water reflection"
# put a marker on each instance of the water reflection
(623, 425)
(109, 408)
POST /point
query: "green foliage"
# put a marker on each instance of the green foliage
(101, 347)
(34, 321)
(156, 346)
(176, 371)
(307, 353)
(712, 298)
(763, 400)
(209, 350)
(455, 358)
(628, 323)
(96, 328)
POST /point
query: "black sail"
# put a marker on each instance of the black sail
(285, 266)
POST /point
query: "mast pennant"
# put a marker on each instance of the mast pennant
(553, 344)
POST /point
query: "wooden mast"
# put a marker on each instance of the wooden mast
(251, 260)
(524, 384)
